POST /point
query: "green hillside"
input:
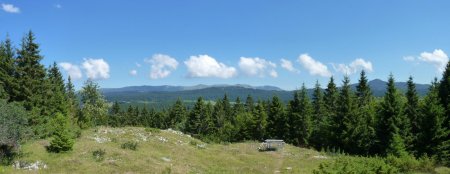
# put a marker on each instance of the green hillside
(163, 152)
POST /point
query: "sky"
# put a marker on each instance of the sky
(278, 43)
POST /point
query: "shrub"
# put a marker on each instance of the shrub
(99, 154)
(347, 164)
(62, 138)
(129, 145)
(13, 129)
(152, 130)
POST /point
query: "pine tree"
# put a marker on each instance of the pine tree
(177, 115)
(444, 93)
(346, 121)
(31, 75)
(8, 70)
(301, 120)
(412, 112)
(260, 116)
(62, 139)
(56, 93)
(195, 118)
(319, 122)
(72, 100)
(238, 107)
(249, 105)
(392, 119)
(432, 131)
(277, 122)
(227, 109)
(330, 99)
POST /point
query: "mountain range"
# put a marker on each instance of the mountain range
(167, 93)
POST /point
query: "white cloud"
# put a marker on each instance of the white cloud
(409, 58)
(438, 58)
(286, 64)
(257, 67)
(206, 66)
(138, 65)
(72, 70)
(133, 72)
(353, 67)
(161, 65)
(10, 8)
(314, 67)
(96, 68)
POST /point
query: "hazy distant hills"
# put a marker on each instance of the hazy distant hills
(168, 93)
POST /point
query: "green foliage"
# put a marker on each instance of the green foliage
(94, 108)
(346, 164)
(277, 122)
(8, 82)
(99, 154)
(299, 123)
(13, 129)
(131, 145)
(177, 115)
(62, 138)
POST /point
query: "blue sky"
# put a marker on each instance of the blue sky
(234, 42)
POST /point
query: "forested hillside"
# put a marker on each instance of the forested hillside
(399, 127)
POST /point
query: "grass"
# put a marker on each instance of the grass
(165, 152)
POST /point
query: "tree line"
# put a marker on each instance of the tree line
(39, 102)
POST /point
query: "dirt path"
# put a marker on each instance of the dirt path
(279, 159)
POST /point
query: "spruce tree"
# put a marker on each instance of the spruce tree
(301, 122)
(363, 131)
(62, 139)
(277, 122)
(31, 74)
(249, 104)
(345, 122)
(319, 118)
(330, 99)
(432, 131)
(8, 70)
(194, 121)
(412, 111)
(391, 119)
(177, 115)
(56, 93)
(260, 116)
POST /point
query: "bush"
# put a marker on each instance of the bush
(129, 145)
(347, 164)
(152, 130)
(99, 154)
(13, 129)
(62, 138)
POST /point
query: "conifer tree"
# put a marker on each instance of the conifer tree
(363, 130)
(412, 111)
(330, 99)
(72, 100)
(8, 70)
(301, 122)
(319, 119)
(238, 107)
(249, 104)
(432, 131)
(260, 116)
(31, 74)
(345, 122)
(444, 93)
(56, 93)
(392, 119)
(196, 117)
(177, 115)
(62, 139)
(277, 123)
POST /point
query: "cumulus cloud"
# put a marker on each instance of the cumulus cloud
(161, 65)
(133, 72)
(438, 58)
(72, 70)
(286, 64)
(354, 66)
(206, 66)
(10, 8)
(257, 67)
(96, 68)
(314, 67)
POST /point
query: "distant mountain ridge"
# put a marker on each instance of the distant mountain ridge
(167, 93)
